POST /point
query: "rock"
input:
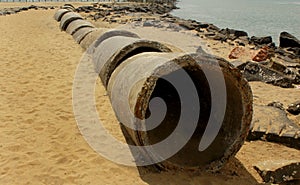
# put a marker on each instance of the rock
(236, 53)
(288, 40)
(209, 34)
(220, 37)
(212, 28)
(276, 104)
(203, 25)
(294, 108)
(242, 41)
(257, 72)
(235, 33)
(24, 8)
(148, 24)
(279, 171)
(280, 51)
(272, 124)
(188, 25)
(239, 33)
(32, 7)
(166, 15)
(291, 72)
(261, 55)
(296, 51)
(261, 40)
(278, 67)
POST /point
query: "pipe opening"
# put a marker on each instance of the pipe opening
(189, 156)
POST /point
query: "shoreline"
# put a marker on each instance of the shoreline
(253, 19)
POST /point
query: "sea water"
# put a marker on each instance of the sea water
(257, 17)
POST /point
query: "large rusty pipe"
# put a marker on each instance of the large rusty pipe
(112, 51)
(134, 72)
(58, 15)
(67, 18)
(80, 34)
(75, 25)
(145, 74)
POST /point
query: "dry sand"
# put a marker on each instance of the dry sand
(39, 139)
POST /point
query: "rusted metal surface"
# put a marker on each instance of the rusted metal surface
(58, 15)
(67, 19)
(77, 24)
(149, 68)
(112, 51)
(81, 33)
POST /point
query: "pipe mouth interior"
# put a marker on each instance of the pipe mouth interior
(189, 156)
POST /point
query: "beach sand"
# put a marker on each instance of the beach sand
(40, 142)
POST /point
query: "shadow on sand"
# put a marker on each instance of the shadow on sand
(233, 173)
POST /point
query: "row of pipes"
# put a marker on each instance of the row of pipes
(207, 104)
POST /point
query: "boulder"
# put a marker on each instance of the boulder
(236, 33)
(272, 124)
(261, 40)
(220, 37)
(276, 104)
(277, 172)
(256, 72)
(288, 40)
(212, 28)
(294, 108)
(203, 25)
(190, 25)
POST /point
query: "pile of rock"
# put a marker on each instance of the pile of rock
(9, 11)
(102, 10)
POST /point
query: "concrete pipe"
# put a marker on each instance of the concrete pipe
(112, 51)
(79, 35)
(69, 7)
(77, 24)
(67, 18)
(94, 38)
(114, 33)
(91, 37)
(58, 15)
(142, 78)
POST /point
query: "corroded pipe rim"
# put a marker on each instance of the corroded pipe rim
(80, 34)
(67, 18)
(195, 59)
(246, 120)
(75, 25)
(113, 33)
(60, 13)
(119, 56)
